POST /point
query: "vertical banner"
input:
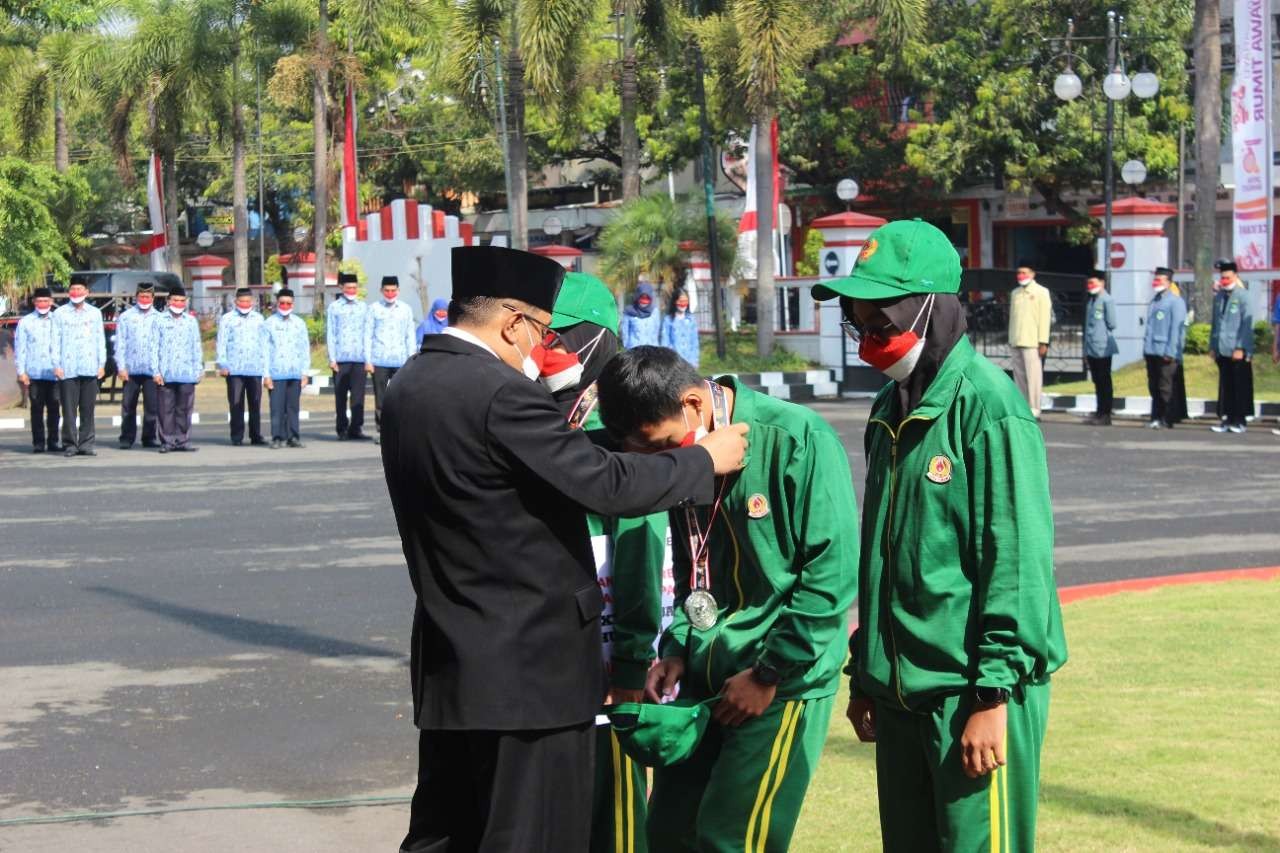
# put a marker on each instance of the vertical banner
(1251, 135)
(747, 224)
(350, 199)
(155, 246)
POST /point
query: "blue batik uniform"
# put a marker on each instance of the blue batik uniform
(81, 347)
(34, 346)
(680, 333)
(240, 349)
(135, 329)
(344, 330)
(285, 347)
(175, 349)
(388, 334)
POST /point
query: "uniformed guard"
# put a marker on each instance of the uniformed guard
(135, 328)
(286, 356)
(241, 359)
(765, 577)
(1100, 345)
(959, 627)
(489, 484)
(1162, 346)
(79, 363)
(633, 561)
(34, 346)
(344, 341)
(1231, 344)
(178, 361)
(388, 340)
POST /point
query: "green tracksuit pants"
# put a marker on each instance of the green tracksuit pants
(927, 803)
(618, 802)
(743, 787)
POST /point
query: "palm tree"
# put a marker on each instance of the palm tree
(645, 238)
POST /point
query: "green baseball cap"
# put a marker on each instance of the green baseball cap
(585, 299)
(660, 735)
(899, 259)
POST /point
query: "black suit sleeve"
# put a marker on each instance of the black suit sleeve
(527, 430)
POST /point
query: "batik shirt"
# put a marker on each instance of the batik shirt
(285, 346)
(344, 329)
(33, 346)
(240, 348)
(80, 347)
(135, 329)
(175, 350)
(388, 334)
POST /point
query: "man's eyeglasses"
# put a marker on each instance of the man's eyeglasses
(856, 331)
(550, 337)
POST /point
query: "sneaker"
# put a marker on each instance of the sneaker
(186, 448)
(69, 452)
(92, 452)
(377, 439)
(125, 445)
(1275, 431)
(164, 448)
(1238, 429)
(276, 444)
(295, 442)
(1155, 425)
(1219, 428)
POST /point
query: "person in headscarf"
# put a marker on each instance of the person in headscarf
(435, 321)
(633, 562)
(680, 329)
(641, 322)
(959, 627)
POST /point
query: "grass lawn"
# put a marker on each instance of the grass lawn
(1162, 732)
(741, 356)
(1202, 379)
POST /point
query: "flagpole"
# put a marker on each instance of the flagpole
(262, 219)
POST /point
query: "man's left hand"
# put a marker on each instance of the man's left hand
(305, 380)
(742, 698)
(1237, 355)
(1044, 350)
(101, 372)
(982, 744)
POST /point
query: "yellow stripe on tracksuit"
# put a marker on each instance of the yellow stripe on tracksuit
(999, 803)
(778, 757)
(624, 840)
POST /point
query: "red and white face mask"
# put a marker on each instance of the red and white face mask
(1093, 286)
(898, 356)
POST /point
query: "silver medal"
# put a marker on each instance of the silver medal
(701, 608)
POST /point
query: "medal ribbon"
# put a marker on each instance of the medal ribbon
(584, 406)
(699, 540)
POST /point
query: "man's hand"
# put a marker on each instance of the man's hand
(58, 374)
(224, 371)
(982, 744)
(123, 374)
(268, 384)
(1237, 355)
(660, 682)
(862, 713)
(333, 365)
(727, 446)
(159, 379)
(742, 698)
(368, 368)
(102, 371)
(1044, 350)
(1168, 359)
(24, 379)
(618, 695)
(304, 381)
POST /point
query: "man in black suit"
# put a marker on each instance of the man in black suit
(489, 485)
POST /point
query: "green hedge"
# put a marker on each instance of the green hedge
(1198, 338)
(315, 328)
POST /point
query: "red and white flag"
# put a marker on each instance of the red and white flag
(749, 221)
(155, 244)
(350, 199)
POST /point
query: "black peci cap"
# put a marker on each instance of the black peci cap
(243, 291)
(1165, 271)
(347, 278)
(1224, 265)
(284, 293)
(496, 271)
(146, 287)
(1098, 274)
(42, 293)
(390, 279)
(177, 290)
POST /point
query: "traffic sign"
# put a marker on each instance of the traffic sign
(831, 263)
(1118, 255)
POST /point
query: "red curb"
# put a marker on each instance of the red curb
(1066, 595)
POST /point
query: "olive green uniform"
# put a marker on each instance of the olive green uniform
(782, 553)
(957, 592)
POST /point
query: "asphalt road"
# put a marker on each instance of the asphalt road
(230, 625)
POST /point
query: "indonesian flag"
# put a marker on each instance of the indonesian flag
(747, 224)
(350, 200)
(155, 244)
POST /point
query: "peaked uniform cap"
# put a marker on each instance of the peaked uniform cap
(585, 299)
(899, 259)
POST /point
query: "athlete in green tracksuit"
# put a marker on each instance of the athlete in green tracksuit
(633, 563)
(780, 555)
(959, 627)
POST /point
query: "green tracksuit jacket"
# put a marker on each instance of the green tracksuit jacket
(783, 558)
(957, 542)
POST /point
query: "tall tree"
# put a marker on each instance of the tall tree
(320, 140)
(1208, 110)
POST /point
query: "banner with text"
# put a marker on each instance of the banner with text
(1251, 135)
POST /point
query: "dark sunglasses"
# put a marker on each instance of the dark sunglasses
(856, 331)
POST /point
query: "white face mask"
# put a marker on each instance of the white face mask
(350, 297)
(244, 312)
(285, 312)
(76, 300)
(43, 311)
(390, 300)
(178, 310)
(528, 366)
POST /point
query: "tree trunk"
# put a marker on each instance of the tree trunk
(765, 204)
(61, 154)
(1208, 106)
(320, 158)
(239, 189)
(517, 207)
(628, 93)
(173, 251)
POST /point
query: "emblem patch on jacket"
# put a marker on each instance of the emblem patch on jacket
(939, 469)
(757, 506)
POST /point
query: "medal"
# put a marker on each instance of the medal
(701, 608)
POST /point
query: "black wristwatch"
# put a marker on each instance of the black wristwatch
(991, 695)
(765, 674)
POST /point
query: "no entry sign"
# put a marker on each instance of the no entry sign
(1117, 255)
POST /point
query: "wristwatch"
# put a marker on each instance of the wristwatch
(991, 695)
(765, 674)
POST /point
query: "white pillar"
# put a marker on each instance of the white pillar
(843, 235)
(1138, 246)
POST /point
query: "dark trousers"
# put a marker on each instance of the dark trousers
(349, 380)
(381, 376)
(242, 390)
(79, 395)
(286, 399)
(1100, 370)
(44, 412)
(1160, 386)
(177, 399)
(1235, 390)
(488, 791)
(146, 386)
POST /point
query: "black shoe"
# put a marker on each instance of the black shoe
(164, 448)
(342, 436)
(125, 445)
(55, 448)
(295, 442)
(236, 442)
(357, 436)
(69, 452)
(186, 448)
(276, 444)
(39, 448)
(258, 442)
(150, 444)
(86, 453)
